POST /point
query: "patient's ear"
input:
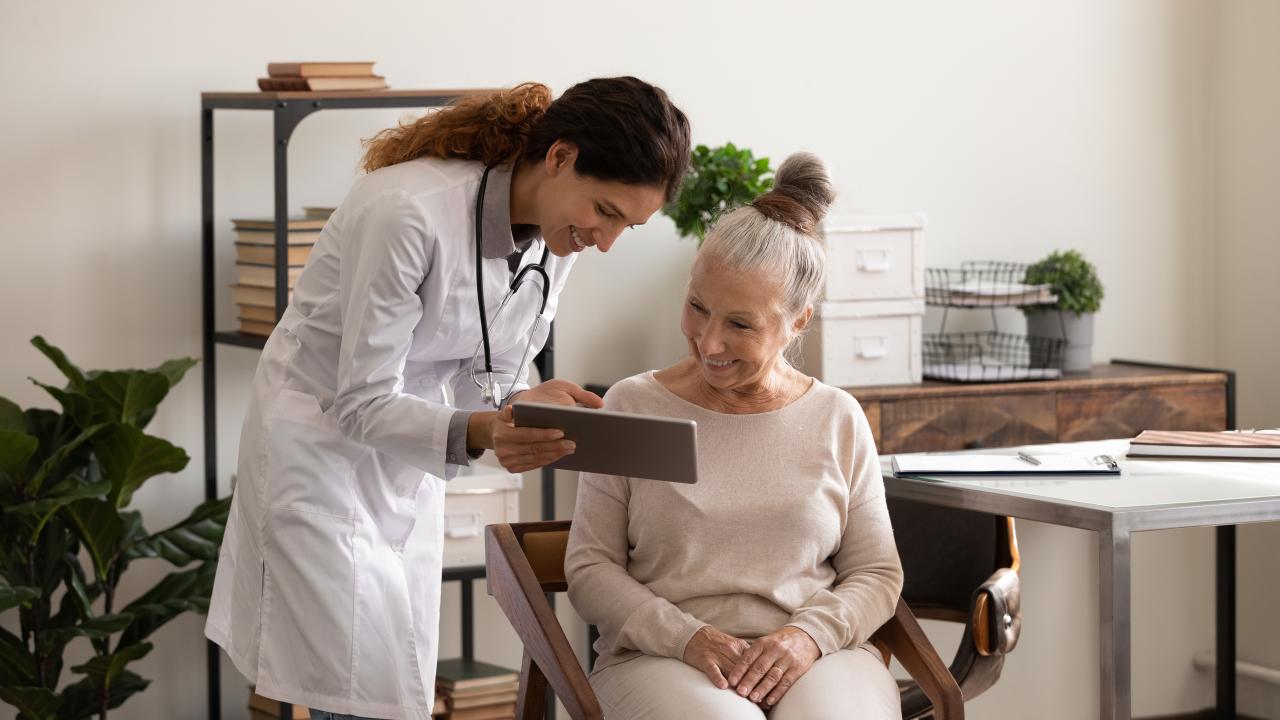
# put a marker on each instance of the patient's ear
(802, 320)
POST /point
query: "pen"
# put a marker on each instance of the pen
(1029, 458)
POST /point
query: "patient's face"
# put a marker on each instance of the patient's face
(734, 323)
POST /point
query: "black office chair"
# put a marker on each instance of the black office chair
(960, 566)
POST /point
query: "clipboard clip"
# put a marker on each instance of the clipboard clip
(1107, 461)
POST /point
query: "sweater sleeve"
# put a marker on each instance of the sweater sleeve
(601, 589)
(868, 572)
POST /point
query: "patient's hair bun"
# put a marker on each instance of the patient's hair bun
(801, 195)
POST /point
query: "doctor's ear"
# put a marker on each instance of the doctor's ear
(560, 156)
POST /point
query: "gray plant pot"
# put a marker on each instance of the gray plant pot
(1077, 356)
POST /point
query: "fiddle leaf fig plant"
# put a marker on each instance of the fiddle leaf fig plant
(67, 538)
(719, 179)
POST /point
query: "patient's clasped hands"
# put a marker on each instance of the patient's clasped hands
(762, 671)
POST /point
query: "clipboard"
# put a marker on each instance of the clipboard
(975, 464)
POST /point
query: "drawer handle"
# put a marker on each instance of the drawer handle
(873, 261)
(871, 347)
(462, 525)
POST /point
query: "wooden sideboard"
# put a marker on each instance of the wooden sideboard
(1114, 400)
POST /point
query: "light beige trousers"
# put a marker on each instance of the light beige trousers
(845, 685)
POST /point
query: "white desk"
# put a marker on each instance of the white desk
(1151, 494)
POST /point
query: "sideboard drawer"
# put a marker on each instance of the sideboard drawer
(957, 423)
(1123, 413)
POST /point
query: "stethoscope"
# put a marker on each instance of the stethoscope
(490, 392)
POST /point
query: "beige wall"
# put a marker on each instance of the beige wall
(1017, 127)
(1245, 233)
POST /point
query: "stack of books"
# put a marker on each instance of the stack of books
(1232, 444)
(254, 291)
(474, 690)
(315, 76)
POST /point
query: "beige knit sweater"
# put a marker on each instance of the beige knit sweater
(787, 525)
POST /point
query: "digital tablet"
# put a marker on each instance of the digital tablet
(614, 443)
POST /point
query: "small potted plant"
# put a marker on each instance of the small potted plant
(1075, 282)
(719, 179)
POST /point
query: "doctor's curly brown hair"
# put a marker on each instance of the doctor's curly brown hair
(625, 129)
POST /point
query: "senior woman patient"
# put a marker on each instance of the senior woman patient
(751, 593)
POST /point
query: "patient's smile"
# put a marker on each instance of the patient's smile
(716, 365)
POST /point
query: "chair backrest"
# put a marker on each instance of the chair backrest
(523, 563)
(947, 555)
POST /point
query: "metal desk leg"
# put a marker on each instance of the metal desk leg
(1226, 612)
(1113, 616)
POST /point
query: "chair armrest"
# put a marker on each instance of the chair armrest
(513, 584)
(996, 613)
(906, 640)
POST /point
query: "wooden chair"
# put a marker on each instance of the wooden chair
(960, 566)
(525, 561)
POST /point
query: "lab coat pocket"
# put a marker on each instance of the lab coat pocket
(308, 459)
(309, 599)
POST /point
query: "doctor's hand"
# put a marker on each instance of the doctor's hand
(714, 653)
(518, 448)
(559, 392)
(768, 669)
(522, 448)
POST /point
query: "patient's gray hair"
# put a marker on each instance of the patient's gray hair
(780, 233)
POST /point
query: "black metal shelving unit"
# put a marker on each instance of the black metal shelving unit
(288, 109)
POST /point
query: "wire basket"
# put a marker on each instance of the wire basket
(983, 284)
(991, 357)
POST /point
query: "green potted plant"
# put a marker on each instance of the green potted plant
(1075, 282)
(67, 538)
(719, 178)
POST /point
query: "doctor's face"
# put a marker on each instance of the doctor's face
(577, 212)
(735, 324)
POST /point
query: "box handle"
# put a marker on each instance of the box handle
(871, 347)
(873, 261)
(462, 525)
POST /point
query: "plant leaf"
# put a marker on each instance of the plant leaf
(17, 666)
(11, 417)
(52, 465)
(176, 593)
(80, 700)
(42, 510)
(12, 597)
(130, 457)
(129, 393)
(74, 374)
(98, 525)
(102, 669)
(33, 703)
(175, 369)
(16, 450)
(197, 537)
(97, 628)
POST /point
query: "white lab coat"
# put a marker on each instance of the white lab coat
(328, 585)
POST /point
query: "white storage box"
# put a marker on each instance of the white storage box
(874, 257)
(864, 343)
(479, 495)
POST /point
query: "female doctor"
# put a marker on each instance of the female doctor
(412, 326)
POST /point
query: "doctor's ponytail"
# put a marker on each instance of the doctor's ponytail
(625, 129)
(492, 128)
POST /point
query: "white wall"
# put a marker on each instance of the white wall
(1018, 127)
(1245, 104)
